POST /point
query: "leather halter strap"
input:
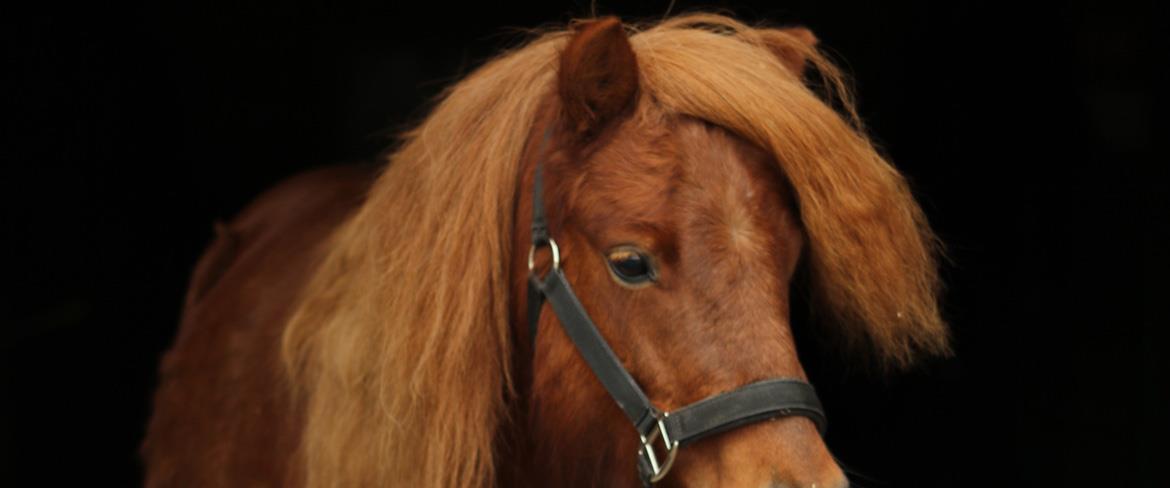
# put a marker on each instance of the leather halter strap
(748, 404)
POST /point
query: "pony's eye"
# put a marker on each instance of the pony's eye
(630, 266)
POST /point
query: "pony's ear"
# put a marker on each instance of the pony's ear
(792, 45)
(598, 78)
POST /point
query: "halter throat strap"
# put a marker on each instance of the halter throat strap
(745, 405)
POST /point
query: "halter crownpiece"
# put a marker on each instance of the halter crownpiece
(748, 404)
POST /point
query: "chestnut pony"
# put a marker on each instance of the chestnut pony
(353, 329)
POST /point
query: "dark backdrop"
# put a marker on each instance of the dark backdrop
(1027, 132)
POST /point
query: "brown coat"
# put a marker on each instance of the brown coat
(224, 415)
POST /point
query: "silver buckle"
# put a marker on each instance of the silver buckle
(556, 256)
(647, 451)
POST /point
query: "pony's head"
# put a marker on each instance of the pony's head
(688, 173)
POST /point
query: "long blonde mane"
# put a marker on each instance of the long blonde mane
(401, 345)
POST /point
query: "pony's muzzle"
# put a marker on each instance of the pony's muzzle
(782, 453)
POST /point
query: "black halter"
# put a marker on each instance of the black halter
(749, 404)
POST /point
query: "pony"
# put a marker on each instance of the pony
(367, 326)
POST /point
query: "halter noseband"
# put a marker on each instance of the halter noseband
(746, 405)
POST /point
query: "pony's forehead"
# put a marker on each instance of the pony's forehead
(677, 151)
(673, 174)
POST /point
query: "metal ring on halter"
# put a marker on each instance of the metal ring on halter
(556, 255)
(658, 471)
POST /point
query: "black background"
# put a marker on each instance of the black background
(1027, 132)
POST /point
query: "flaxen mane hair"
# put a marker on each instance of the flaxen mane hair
(402, 342)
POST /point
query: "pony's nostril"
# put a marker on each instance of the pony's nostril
(835, 478)
(843, 483)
